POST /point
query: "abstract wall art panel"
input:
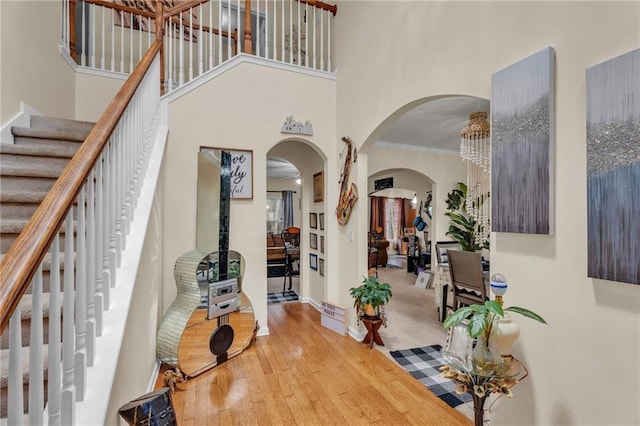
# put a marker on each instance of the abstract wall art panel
(522, 146)
(613, 169)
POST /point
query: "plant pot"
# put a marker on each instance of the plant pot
(369, 310)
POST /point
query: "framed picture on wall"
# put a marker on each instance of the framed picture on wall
(313, 220)
(241, 172)
(321, 221)
(321, 270)
(313, 241)
(321, 243)
(313, 261)
(318, 187)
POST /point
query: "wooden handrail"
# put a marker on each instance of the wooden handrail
(321, 5)
(182, 7)
(122, 8)
(18, 266)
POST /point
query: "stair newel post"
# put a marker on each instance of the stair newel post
(68, 397)
(159, 36)
(91, 269)
(80, 355)
(248, 48)
(53, 382)
(36, 358)
(15, 400)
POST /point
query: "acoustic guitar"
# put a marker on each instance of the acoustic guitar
(210, 320)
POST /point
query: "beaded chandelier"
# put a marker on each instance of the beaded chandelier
(475, 150)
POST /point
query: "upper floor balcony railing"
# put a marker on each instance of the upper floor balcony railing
(198, 35)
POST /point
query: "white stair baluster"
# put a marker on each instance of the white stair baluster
(315, 48)
(200, 45)
(36, 369)
(322, 40)
(257, 36)
(83, 37)
(15, 399)
(80, 359)
(329, 68)
(307, 62)
(190, 44)
(102, 303)
(210, 34)
(122, 41)
(180, 40)
(131, 17)
(54, 377)
(91, 269)
(102, 39)
(291, 31)
(299, 53)
(113, 43)
(68, 398)
(93, 35)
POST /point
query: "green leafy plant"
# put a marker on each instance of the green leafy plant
(463, 228)
(371, 292)
(481, 317)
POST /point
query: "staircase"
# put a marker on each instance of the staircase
(28, 170)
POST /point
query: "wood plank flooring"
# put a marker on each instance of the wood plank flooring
(305, 374)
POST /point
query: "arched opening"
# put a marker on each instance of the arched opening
(293, 260)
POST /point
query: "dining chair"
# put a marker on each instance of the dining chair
(291, 238)
(465, 271)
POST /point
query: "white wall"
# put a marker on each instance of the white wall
(32, 69)
(94, 92)
(137, 359)
(583, 366)
(242, 108)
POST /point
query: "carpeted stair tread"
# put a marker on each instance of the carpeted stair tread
(4, 364)
(18, 196)
(16, 169)
(63, 151)
(54, 123)
(57, 135)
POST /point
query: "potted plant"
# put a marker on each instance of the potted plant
(483, 322)
(463, 227)
(370, 297)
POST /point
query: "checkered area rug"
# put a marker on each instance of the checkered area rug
(287, 296)
(424, 364)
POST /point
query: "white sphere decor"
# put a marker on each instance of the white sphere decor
(506, 331)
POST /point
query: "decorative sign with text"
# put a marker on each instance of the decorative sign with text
(241, 174)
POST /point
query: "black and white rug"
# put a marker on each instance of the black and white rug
(287, 296)
(424, 364)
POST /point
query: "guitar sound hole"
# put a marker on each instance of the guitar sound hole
(221, 339)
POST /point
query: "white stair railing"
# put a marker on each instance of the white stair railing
(112, 186)
(198, 39)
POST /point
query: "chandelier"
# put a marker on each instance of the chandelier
(475, 150)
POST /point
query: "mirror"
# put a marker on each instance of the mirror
(210, 320)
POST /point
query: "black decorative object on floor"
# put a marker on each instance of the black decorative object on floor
(287, 296)
(424, 364)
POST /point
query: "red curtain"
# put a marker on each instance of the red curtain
(378, 214)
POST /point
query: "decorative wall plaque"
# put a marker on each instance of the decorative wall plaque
(297, 127)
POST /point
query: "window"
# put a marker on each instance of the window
(274, 212)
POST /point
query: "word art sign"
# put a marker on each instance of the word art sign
(297, 127)
(241, 174)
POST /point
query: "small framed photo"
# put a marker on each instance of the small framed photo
(321, 243)
(318, 187)
(321, 221)
(313, 261)
(321, 270)
(313, 241)
(313, 220)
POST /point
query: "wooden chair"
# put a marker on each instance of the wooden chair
(291, 238)
(465, 270)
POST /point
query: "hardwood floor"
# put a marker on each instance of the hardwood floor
(305, 374)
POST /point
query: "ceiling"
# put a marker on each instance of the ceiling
(435, 124)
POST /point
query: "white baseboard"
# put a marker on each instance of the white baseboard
(22, 119)
(355, 333)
